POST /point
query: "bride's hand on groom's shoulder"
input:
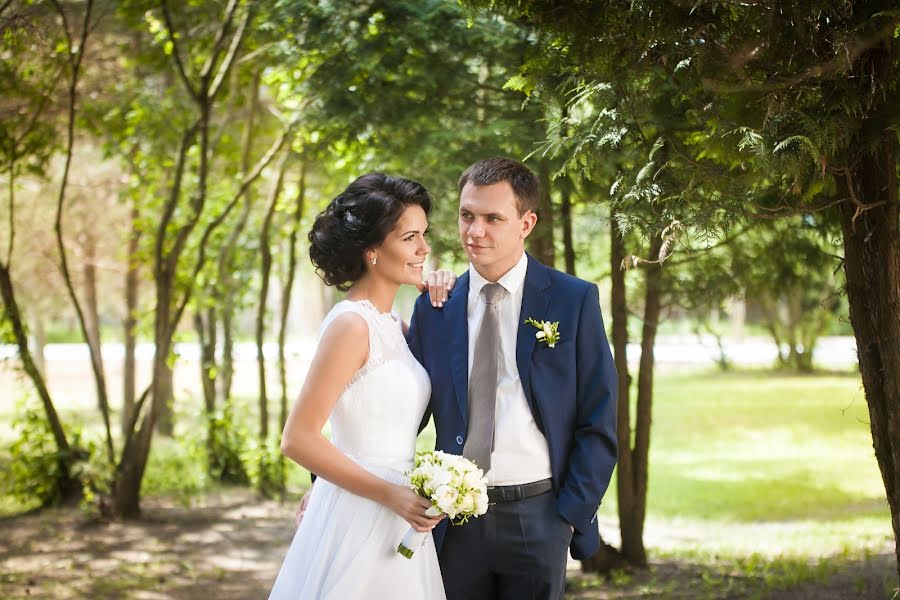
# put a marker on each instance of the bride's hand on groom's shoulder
(411, 507)
(438, 283)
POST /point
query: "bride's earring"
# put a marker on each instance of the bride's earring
(374, 260)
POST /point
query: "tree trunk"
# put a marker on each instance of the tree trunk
(67, 487)
(227, 346)
(227, 286)
(129, 368)
(773, 325)
(265, 273)
(136, 449)
(605, 560)
(608, 558)
(92, 311)
(167, 257)
(565, 212)
(76, 56)
(206, 332)
(872, 267)
(632, 524)
(165, 422)
(541, 239)
(39, 336)
(92, 332)
(287, 292)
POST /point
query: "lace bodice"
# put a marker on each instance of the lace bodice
(377, 417)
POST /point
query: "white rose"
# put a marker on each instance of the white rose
(540, 335)
(429, 484)
(548, 328)
(459, 478)
(466, 504)
(474, 480)
(440, 477)
(481, 503)
(445, 498)
(453, 460)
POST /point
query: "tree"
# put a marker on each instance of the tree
(417, 89)
(27, 136)
(184, 211)
(788, 268)
(801, 97)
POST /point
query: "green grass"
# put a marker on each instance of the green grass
(759, 462)
(739, 464)
(762, 448)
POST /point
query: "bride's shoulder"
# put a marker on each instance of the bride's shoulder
(346, 333)
(345, 317)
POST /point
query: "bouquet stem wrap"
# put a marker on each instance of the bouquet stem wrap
(414, 540)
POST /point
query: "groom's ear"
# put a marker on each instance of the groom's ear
(529, 220)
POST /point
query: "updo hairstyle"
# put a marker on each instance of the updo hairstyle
(357, 220)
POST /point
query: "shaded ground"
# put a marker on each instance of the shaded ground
(872, 578)
(228, 546)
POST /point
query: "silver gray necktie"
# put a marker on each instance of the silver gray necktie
(483, 381)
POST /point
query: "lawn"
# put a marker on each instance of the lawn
(756, 479)
(785, 461)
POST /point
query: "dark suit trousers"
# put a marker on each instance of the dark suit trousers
(515, 551)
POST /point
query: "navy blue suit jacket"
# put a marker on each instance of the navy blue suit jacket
(570, 388)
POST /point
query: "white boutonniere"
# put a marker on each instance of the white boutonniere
(547, 332)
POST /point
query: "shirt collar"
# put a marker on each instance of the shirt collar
(511, 281)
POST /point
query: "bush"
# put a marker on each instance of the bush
(227, 443)
(176, 466)
(265, 467)
(36, 470)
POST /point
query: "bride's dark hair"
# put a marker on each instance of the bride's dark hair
(358, 219)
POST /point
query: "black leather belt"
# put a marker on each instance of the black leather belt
(511, 493)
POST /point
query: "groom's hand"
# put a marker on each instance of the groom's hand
(438, 283)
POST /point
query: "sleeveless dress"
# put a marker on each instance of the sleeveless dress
(346, 545)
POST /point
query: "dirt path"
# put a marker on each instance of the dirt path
(229, 545)
(227, 548)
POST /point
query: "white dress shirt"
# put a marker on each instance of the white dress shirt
(520, 451)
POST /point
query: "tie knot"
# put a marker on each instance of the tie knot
(493, 292)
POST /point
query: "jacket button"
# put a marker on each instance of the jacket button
(459, 440)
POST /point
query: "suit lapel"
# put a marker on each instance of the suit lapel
(457, 331)
(534, 305)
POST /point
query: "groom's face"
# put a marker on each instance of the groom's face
(491, 229)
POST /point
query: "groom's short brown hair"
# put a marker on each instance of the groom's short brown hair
(523, 182)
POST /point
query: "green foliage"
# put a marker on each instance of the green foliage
(226, 447)
(96, 475)
(30, 85)
(761, 105)
(413, 88)
(6, 329)
(265, 466)
(33, 471)
(177, 467)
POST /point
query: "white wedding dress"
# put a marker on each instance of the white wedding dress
(346, 546)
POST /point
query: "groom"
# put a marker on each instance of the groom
(537, 415)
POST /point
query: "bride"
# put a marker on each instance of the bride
(368, 241)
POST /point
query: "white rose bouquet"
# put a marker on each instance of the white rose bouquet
(454, 484)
